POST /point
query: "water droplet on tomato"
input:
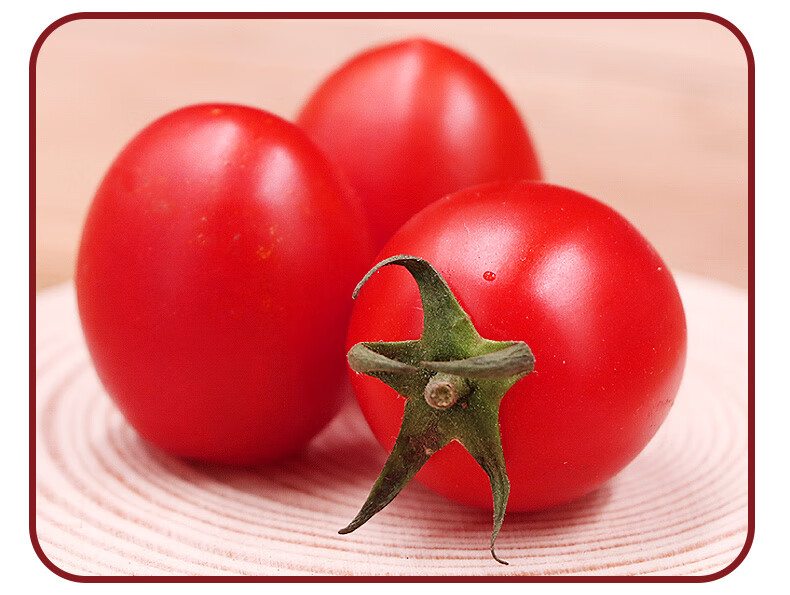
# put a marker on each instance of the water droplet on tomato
(489, 275)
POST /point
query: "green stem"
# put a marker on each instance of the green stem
(454, 381)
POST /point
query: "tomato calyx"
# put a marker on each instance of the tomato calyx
(453, 381)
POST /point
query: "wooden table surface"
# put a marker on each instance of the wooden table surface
(649, 116)
(108, 503)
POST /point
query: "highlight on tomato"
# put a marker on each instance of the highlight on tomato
(540, 350)
(213, 284)
(412, 121)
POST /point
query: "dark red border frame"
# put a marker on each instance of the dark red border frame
(391, 15)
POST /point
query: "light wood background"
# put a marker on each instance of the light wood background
(649, 116)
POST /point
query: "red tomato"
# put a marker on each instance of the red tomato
(413, 121)
(593, 300)
(213, 283)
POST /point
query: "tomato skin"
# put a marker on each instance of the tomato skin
(596, 304)
(413, 121)
(213, 284)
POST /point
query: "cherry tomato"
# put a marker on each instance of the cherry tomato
(213, 283)
(413, 121)
(583, 289)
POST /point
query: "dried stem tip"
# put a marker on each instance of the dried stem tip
(444, 390)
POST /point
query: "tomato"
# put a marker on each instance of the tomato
(213, 284)
(412, 121)
(583, 289)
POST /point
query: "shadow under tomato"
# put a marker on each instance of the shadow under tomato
(582, 509)
(331, 477)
